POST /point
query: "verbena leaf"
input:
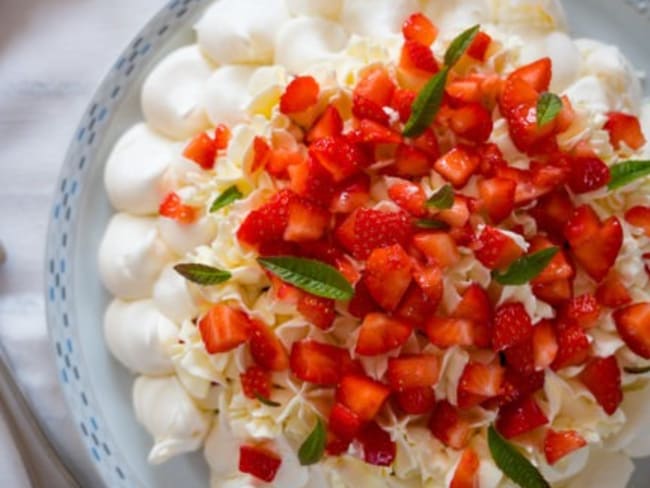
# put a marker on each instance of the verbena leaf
(202, 274)
(427, 104)
(633, 370)
(627, 172)
(549, 106)
(442, 199)
(513, 464)
(310, 275)
(526, 268)
(267, 402)
(459, 45)
(313, 448)
(431, 224)
(226, 198)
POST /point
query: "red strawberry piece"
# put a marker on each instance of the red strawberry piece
(588, 174)
(363, 108)
(376, 85)
(362, 302)
(612, 292)
(363, 395)
(410, 162)
(267, 223)
(520, 417)
(602, 377)
(560, 444)
(261, 154)
(512, 326)
(338, 156)
(222, 136)
(374, 133)
(583, 310)
(480, 380)
(545, 346)
(402, 101)
(449, 426)
(497, 197)
(458, 165)
(475, 306)
(447, 332)
(418, 59)
(517, 93)
(624, 128)
(496, 250)
(318, 363)
(223, 328)
(388, 275)
(458, 214)
(466, 473)
(173, 208)
(472, 121)
(536, 74)
(378, 447)
(409, 196)
(418, 27)
(521, 357)
(439, 247)
(409, 372)
(335, 445)
(573, 345)
(282, 291)
(427, 142)
(259, 462)
(301, 93)
(551, 212)
(465, 90)
(255, 382)
(281, 159)
(639, 217)
(266, 348)
(429, 279)
(555, 293)
(351, 194)
(595, 245)
(517, 385)
(319, 311)
(633, 325)
(416, 401)
(380, 334)
(480, 44)
(416, 306)
(344, 423)
(329, 124)
(202, 149)
(559, 268)
(491, 159)
(527, 135)
(310, 180)
(306, 222)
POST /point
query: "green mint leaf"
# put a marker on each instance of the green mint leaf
(513, 464)
(526, 268)
(549, 106)
(431, 224)
(226, 198)
(459, 45)
(313, 448)
(310, 275)
(627, 172)
(442, 199)
(267, 402)
(427, 104)
(633, 370)
(202, 274)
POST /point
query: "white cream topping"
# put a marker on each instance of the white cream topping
(172, 296)
(383, 19)
(225, 97)
(330, 9)
(563, 53)
(183, 238)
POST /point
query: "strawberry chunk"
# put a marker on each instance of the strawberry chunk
(459, 213)
(173, 208)
(222, 136)
(633, 325)
(318, 363)
(329, 124)
(338, 156)
(602, 377)
(255, 382)
(410, 197)
(512, 326)
(497, 197)
(516, 93)
(472, 121)
(311, 181)
(457, 166)
(520, 417)
(405, 373)
(301, 93)
(344, 422)
(583, 310)
(306, 222)
(351, 194)
(363, 395)
(402, 102)
(416, 401)
(223, 328)
(449, 426)
(266, 348)
(267, 223)
(259, 462)
(418, 27)
(545, 345)
(612, 292)
(371, 132)
(560, 444)
(537, 74)
(624, 128)
(475, 306)
(466, 473)
(319, 311)
(517, 385)
(551, 213)
(555, 293)
(639, 217)
(429, 279)
(418, 59)
(378, 447)
(496, 250)
(363, 108)
(479, 46)
(439, 247)
(388, 275)
(362, 302)
(559, 268)
(573, 346)
(380, 334)
(588, 174)
(416, 306)
(202, 149)
(376, 86)
(261, 154)
(447, 332)
(521, 357)
(527, 135)
(479, 382)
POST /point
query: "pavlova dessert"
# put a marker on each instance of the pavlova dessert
(387, 244)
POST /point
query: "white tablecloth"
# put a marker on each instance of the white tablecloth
(52, 55)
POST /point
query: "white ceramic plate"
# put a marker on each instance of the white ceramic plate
(97, 389)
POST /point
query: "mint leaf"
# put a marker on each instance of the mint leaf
(312, 450)
(549, 106)
(202, 274)
(459, 45)
(442, 199)
(513, 464)
(310, 275)
(526, 268)
(627, 172)
(633, 370)
(427, 104)
(266, 401)
(226, 198)
(431, 224)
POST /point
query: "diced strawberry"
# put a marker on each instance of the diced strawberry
(173, 208)
(511, 326)
(409, 372)
(595, 245)
(329, 124)
(266, 348)
(282, 291)
(319, 311)
(639, 217)
(402, 102)
(588, 174)
(223, 328)
(555, 293)
(480, 380)
(318, 363)
(344, 422)
(583, 310)
(551, 212)
(222, 136)
(268, 222)
(497, 197)
(429, 279)
(410, 161)
(624, 128)
(517, 385)
(416, 306)
(457, 166)
(496, 250)
(338, 156)
(521, 357)
(520, 417)
(459, 213)
(388, 275)
(306, 222)
(479, 46)
(560, 444)
(281, 159)
(427, 142)
(466, 474)
(363, 395)
(380, 334)
(418, 27)
(439, 247)
(301, 93)
(526, 134)
(491, 159)
(612, 292)
(255, 382)
(374, 133)
(336, 446)
(259, 462)
(310, 180)
(573, 345)
(202, 149)
(447, 332)
(472, 121)
(409, 196)
(351, 194)
(378, 447)
(602, 377)
(376, 85)
(418, 59)
(559, 268)
(261, 154)
(449, 426)
(537, 74)
(475, 306)
(363, 108)
(545, 346)
(633, 325)
(362, 302)
(416, 401)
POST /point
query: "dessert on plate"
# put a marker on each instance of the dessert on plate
(387, 243)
